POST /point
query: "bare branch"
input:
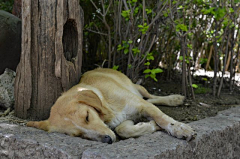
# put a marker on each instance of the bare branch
(157, 16)
(150, 47)
(96, 7)
(125, 4)
(97, 32)
(109, 6)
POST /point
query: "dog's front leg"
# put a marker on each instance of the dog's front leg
(173, 127)
(127, 129)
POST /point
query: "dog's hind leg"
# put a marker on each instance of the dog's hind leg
(127, 129)
(173, 127)
(171, 100)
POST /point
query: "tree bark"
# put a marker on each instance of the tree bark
(51, 55)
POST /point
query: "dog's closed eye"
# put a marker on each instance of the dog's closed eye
(87, 117)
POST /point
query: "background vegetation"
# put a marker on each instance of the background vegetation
(6, 5)
(143, 37)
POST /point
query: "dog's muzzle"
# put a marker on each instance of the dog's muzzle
(107, 139)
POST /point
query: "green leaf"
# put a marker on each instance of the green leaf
(136, 10)
(150, 58)
(194, 86)
(146, 76)
(143, 28)
(189, 46)
(180, 7)
(130, 41)
(203, 60)
(115, 67)
(199, 2)
(119, 47)
(147, 71)
(165, 14)
(231, 10)
(153, 76)
(181, 27)
(148, 11)
(225, 22)
(126, 51)
(180, 58)
(157, 70)
(147, 64)
(129, 65)
(126, 14)
(208, 11)
(125, 44)
(220, 13)
(135, 50)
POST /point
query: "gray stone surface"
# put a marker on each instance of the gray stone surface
(7, 88)
(18, 141)
(218, 137)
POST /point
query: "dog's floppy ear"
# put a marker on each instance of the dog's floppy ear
(89, 98)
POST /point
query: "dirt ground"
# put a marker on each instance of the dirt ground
(205, 105)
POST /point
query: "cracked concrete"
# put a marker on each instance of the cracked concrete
(218, 137)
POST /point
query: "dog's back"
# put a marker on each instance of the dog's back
(108, 78)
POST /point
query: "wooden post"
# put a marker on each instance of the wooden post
(51, 55)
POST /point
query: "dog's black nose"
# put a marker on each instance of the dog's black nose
(107, 139)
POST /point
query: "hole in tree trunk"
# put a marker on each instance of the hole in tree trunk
(70, 40)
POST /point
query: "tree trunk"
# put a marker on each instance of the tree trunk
(51, 55)
(209, 58)
(184, 72)
(224, 67)
(216, 60)
(17, 8)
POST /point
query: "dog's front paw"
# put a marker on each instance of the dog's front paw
(181, 130)
(175, 100)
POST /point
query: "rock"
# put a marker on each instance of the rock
(7, 88)
(10, 41)
(205, 105)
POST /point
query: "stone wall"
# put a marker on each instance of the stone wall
(218, 137)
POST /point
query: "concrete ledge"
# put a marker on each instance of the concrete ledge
(218, 137)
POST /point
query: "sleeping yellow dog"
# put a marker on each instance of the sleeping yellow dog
(106, 102)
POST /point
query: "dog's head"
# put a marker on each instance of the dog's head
(86, 122)
(80, 116)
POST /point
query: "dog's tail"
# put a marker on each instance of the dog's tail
(44, 125)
